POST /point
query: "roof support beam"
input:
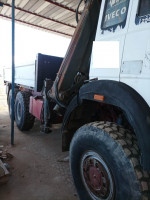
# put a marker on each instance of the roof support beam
(62, 6)
(34, 25)
(37, 15)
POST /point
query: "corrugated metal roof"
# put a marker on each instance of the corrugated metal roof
(57, 16)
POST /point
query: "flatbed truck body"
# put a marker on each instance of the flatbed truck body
(32, 75)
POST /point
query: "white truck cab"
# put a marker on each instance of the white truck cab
(122, 85)
(126, 21)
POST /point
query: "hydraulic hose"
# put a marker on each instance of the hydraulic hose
(77, 11)
(56, 98)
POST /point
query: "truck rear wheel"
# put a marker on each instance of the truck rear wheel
(104, 160)
(24, 120)
(9, 100)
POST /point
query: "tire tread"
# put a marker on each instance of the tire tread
(128, 142)
(28, 118)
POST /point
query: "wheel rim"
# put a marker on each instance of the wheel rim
(19, 111)
(96, 176)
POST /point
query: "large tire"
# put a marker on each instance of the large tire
(9, 101)
(105, 164)
(24, 120)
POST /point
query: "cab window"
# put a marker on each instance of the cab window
(144, 7)
(115, 13)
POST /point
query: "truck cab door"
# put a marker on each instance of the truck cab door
(112, 26)
(135, 67)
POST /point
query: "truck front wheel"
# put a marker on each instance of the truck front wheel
(24, 120)
(104, 160)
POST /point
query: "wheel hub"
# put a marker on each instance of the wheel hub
(96, 176)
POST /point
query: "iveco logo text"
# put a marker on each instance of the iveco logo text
(116, 13)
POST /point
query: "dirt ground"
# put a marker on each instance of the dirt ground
(37, 172)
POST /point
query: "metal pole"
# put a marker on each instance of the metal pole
(13, 71)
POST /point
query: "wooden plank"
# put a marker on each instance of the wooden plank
(5, 171)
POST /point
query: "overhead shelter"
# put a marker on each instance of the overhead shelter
(55, 16)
